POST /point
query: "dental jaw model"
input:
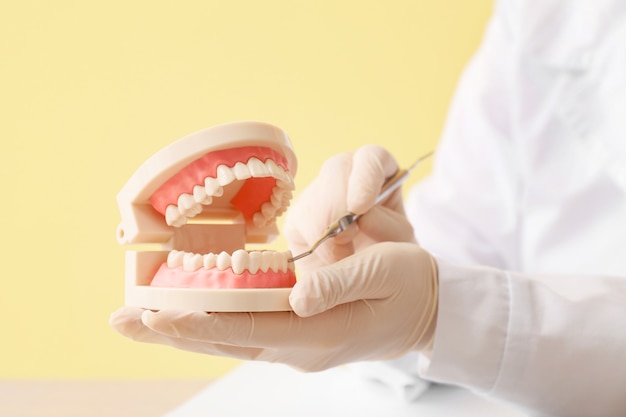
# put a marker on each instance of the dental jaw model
(194, 206)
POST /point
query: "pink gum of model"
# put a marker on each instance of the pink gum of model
(226, 223)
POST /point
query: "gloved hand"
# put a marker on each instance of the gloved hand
(377, 304)
(348, 182)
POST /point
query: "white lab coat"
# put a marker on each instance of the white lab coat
(526, 212)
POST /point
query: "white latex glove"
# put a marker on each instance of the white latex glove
(348, 182)
(377, 304)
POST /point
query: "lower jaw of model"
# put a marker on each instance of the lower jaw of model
(252, 181)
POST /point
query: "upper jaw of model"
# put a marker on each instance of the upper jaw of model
(207, 195)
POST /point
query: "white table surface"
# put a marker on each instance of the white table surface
(264, 390)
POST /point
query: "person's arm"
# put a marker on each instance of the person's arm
(516, 187)
(554, 345)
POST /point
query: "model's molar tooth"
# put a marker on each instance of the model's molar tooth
(287, 196)
(212, 187)
(257, 168)
(239, 261)
(259, 219)
(173, 216)
(200, 195)
(275, 201)
(223, 261)
(192, 262)
(290, 265)
(254, 262)
(241, 171)
(268, 210)
(225, 175)
(175, 258)
(287, 183)
(284, 257)
(187, 205)
(209, 261)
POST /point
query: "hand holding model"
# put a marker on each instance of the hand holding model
(377, 301)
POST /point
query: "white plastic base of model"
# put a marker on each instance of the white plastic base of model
(141, 266)
(210, 300)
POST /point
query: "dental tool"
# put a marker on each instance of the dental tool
(341, 224)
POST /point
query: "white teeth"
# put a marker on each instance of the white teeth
(225, 175)
(212, 187)
(258, 168)
(276, 171)
(173, 217)
(241, 171)
(175, 258)
(201, 196)
(286, 184)
(268, 210)
(275, 202)
(209, 260)
(266, 260)
(254, 262)
(284, 258)
(258, 219)
(290, 265)
(192, 262)
(240, 260)
(223, 261)
(188, 206)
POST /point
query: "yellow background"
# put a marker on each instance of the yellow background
(89, 90)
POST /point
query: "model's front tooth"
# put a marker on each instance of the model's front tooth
(209, 261)
(225, 175)
(268, 210)
(173, 216)
(175, 258)
(200, 195)
(266, 260)
(254, 262)
(259, 219)
(241, 171)
(187, 205)
(257, 168)
(213, 187)
(239, 261)
(223, 261)
(192, 262)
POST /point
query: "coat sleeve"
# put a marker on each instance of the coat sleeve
(550, 344)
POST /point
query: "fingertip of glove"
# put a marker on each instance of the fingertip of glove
(305, 299)
(152, 320)
(301, 306)
(122, 316)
